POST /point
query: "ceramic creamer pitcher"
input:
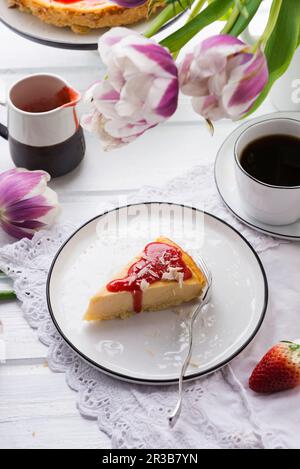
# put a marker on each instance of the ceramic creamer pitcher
(43, 128)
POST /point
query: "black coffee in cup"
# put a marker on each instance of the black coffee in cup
(273, 159)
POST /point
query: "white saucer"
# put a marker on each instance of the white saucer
(227, 186)
(150, 347)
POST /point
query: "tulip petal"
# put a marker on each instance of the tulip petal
(168, 103)
(159, 56)
(130, 3)
(18, 183)
(16, 231)
(245, 85)
(32, 208)
(208, 107)
(110, 95)
(226, 42)
(29, 224)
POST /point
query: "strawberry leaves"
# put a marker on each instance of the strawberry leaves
(292, 345)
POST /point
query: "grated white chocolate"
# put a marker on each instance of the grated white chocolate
(173, 273)
(144, 284)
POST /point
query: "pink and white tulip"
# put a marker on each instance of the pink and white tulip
(27, 204)
(139, 91)
(223, 77)
(130, 3)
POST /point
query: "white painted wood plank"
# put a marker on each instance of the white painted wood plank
(22, 53)
(81, 77)
(20, 340)
(37, 410)
(162, 153)
(159, 155)
(47, 432)
(38, 387)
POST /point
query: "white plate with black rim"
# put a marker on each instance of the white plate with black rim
(32, 28)
(227, 185)
(149, 348)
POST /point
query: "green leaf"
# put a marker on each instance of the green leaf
(281, 45)
(242, 21)
(227, 14)
(211, 13)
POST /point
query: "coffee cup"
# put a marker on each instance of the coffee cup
(273, 204)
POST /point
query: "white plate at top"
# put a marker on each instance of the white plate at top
(34, 29)
(227, 185)
(150, 347)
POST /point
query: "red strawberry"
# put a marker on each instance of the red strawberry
(278, 370)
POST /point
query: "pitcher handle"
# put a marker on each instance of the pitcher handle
(3, 131)
(3, 128)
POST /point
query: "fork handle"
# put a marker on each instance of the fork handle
(176, 412)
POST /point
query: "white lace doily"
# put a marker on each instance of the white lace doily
(135, 416)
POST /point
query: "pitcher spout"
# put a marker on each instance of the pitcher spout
(69, 97)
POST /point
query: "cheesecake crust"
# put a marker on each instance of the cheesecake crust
(82, 16)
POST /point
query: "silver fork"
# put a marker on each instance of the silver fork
(205, 297)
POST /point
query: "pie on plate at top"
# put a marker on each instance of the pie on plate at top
(162, 276)
(83, 15)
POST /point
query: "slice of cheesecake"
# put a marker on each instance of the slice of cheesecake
(162, 276)
(82, 16)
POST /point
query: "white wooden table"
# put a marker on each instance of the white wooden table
(37, 409)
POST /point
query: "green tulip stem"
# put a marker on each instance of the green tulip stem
(194, 13)
(241, 6)
(273, 17)
(171, 10)
(231, 20)
(196, 10)
(7, 295)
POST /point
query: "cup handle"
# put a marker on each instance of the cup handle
(3, 128)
